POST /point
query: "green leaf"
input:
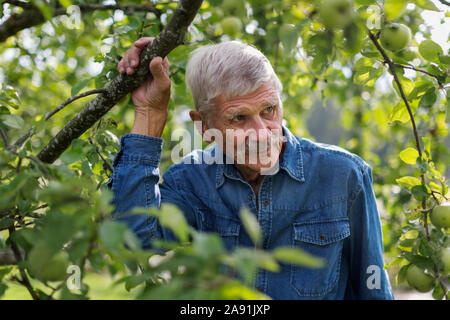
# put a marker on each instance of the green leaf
(12, 121)
(172, 218)
(6, 223)
(409, 155)
(428, 99)
(407, 85)
(44, 8)
(65, 3)
(410, 234)
(408, 182)
(367, 77)
(443, 58)
(420, 192)
(438, 293)
(251, 225)
(3, 288)
(420, 261)
(394, 262)
(427, 5)
(394, 8)
(399, 113)
(80, 85)
(207, 245)
(420, 87)
(112, 234)
(430, 50)
(401, 276)
(298, 257)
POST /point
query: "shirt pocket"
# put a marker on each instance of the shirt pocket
(322, 239)
(227, 227)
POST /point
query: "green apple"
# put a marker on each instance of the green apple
(395, 36)
(231, 26)
(440, 216)
(445, 258)
(234, 8)
(336, 14)
(288, 36)
(418, 279)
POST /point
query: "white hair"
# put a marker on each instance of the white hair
(230, 68)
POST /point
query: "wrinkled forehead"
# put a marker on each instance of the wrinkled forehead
(266, 95)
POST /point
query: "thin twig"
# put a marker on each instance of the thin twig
(72, 99)
(392, 66)
(16, 145)
(24, 281)
(418, 70)
(5, 138)
(106, 165)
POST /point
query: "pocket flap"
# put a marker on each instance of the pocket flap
(322, 232)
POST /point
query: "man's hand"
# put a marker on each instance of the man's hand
(151, 98)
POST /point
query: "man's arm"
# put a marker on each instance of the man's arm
(135, 179)
(367, 278)
(135, 183)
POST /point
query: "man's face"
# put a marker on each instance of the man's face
(251, 127)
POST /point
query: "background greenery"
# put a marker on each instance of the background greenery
(337, 89)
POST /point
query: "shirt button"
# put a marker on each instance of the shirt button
(250, 198)
(322, 237)
(266, 202)
(259, 289)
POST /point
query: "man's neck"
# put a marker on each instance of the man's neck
(254, 178)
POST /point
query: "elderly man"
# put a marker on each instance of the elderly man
(309, 195)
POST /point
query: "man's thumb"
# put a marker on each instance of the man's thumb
(156, 69)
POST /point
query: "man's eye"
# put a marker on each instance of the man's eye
(238, 118)
(268, 109)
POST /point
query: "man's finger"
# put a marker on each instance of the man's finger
(131, 59)
(142, 42)
(161, 78)
(120, 66)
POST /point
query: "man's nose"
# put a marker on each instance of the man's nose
(262, 132)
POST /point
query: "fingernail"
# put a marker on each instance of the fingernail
(133, 62)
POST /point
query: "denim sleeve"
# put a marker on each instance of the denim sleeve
(368, 279)
(135, 183)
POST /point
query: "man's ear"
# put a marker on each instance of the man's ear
(199, 121)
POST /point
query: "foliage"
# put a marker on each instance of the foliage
(65, 207)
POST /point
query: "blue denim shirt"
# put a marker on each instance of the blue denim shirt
(321, 200)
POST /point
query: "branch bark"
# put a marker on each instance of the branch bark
(173, 35)
(7, 257)
(32, 16)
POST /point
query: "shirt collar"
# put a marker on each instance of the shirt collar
(291, 161)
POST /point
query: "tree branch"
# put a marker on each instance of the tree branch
(72, 99)
(50, 114)
(173, 35)
(444, 2)
(418, 70)
(7, 257)
(5, 138)
(18, 255)
(392, 67)
(32, 16)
